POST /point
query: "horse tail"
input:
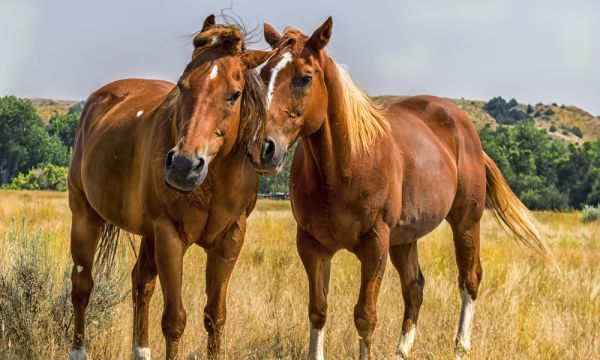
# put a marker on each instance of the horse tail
(510, 213)
(107, 249)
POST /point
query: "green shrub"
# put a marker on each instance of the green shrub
(591, 213)
(49, 177)
(577, 132)
(35, 306)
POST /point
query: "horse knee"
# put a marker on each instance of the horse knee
(213, 319)
(365, 319)
(317, 314)
(82, 284)
(173, 323)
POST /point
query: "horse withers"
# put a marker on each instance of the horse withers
(174, 164)
(373, 180)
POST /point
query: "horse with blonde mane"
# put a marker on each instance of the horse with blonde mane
(373, 180)
(175, 165)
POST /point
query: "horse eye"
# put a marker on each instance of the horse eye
(234, 97)
(303, 82)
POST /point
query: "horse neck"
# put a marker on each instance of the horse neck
(329, 145)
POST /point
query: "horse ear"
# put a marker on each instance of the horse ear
(319, 39)
(255, 57)
(208, 22)
(271, 35)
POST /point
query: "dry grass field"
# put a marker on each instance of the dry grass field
(527, 309)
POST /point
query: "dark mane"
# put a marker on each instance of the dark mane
(253, 115)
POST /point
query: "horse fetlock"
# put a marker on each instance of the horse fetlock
(141, 353)
(78, 354)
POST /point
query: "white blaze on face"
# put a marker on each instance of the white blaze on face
(406, 342)
(315, 346)
(463, 337)
(214, 39)
(213, 72)
(139, 113)
(286, 58)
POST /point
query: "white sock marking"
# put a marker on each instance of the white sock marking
(364, 349)
(463, 335)
(139, 113)
(315, 346)
(78, 354)
(141, 353)
(213, 72)
(285, 59)
(406, 342)
(79, 268)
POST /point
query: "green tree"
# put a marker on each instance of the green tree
(24, 141)
(64, 126)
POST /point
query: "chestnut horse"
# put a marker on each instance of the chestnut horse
(173, 164)
(374, 180)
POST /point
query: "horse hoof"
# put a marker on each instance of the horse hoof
(78, 354)
(461, 350)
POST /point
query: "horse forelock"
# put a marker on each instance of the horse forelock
(228, 37)
(253, 115)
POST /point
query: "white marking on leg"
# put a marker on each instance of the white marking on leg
(213, 72)
(79, 268)
(462, 345)
(78, 354)
(139, 113)
(141, 353)
(286, 58)
(406, 342)
(315, 346)
(364, 349)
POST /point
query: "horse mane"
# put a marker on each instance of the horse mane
(364, 119)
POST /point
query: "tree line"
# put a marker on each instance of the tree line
(544, 173)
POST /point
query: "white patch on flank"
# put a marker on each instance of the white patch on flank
(285, 59)
(139, 113)
(213, 72)
(315, 346)
(141, 353)
(79, 268)
(406, 342)
(462, 345)
(214, 39)
(78, 354)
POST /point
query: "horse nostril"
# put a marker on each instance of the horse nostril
(169, 159)
(200, 164)
(269, 150)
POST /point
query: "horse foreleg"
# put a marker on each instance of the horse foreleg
(406, 260)
(85, 233)
(169, 251)
(317, 263)
(372, 253)
(143, 278)
(219, 265)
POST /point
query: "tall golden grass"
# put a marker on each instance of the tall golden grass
(527, 309)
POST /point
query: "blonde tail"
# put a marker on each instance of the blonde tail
(510, 213)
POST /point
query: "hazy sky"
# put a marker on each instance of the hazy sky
(534, 51)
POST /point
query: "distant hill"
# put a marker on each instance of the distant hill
(559, 122)
(46, 108)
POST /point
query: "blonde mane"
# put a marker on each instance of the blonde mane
(364, 119)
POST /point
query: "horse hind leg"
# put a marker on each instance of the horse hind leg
(143, 278)
(466, 244)
(85, 233)
(405, 259)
